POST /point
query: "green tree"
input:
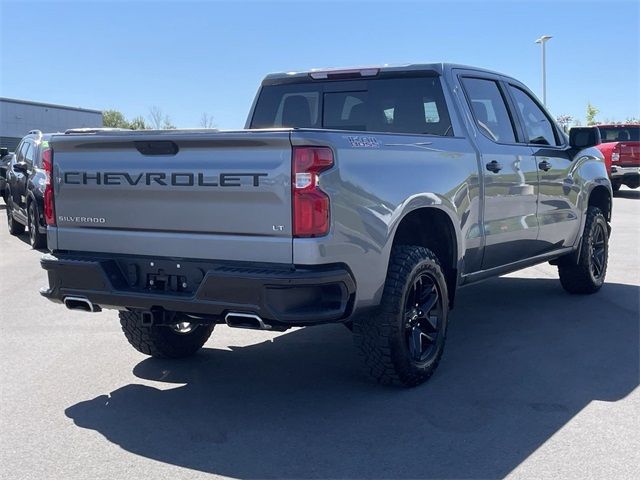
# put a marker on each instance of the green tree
(114, 119)
(591, 114)
(138, 123)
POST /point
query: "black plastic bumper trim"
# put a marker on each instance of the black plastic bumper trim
(285, 294)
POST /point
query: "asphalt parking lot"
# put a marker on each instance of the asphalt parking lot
(535, 383)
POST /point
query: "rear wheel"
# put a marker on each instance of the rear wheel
(37, 239)
(15, 227)
(404, 341)
(587, 275)
(176, 341)
(615, 187)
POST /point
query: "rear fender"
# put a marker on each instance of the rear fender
(427, 200)
(590, 173)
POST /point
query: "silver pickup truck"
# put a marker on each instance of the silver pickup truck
(362, 196)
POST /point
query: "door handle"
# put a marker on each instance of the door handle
(544, 165)
(494, 166)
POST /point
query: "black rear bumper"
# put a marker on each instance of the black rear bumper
(626, 175)
(282, 294)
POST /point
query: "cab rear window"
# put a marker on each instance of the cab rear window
(620, 133)
(399, 105)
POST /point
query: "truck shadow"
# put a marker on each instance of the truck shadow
(632, 194)
(24, 238)
(523, 358)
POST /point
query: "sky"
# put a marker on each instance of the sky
(190, 58)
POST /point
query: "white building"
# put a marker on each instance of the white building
(18, 117)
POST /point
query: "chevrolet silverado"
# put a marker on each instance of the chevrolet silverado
(363, 196)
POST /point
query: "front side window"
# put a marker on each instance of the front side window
(537, 126)
(489, 109)
(401, 105)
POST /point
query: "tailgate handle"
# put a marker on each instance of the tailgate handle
(157, 147)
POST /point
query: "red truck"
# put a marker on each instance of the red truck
(621, 149)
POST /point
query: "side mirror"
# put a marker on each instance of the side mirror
(3, 151)
(20, 167)
(583, 137)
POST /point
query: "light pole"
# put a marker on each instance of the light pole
(542, 40)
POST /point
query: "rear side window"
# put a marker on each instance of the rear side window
(20, 151)
(25, 154)
(537, 126)
(400, 105)
(30, 153)
(489, 109)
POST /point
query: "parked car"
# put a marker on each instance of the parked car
(621, 149)
(360, 196)
(25, 183)
(5, 161)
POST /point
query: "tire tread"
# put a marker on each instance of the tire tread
(576, 278)
(376, 336)
(160, 341)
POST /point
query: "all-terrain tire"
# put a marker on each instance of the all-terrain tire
(162, 341)
(587, 276)
(15, 227)
(381, 339)
(36, 239)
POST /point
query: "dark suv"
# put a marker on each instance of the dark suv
(25, 183)
(5, 161)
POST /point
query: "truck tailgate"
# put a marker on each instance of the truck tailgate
(629, 154)
(223, 195)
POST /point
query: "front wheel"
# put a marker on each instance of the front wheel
(15, 227)
(404, 341)
(587, 275)
(176, 341)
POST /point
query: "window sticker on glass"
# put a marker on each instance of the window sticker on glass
(431, 112)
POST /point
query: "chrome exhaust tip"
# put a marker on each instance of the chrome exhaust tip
(80, 303)
(245, 320)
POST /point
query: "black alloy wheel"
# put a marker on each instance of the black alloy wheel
(586, 273)
(33, 225)
(402, 341)
(598, 251)
(36, 239)
(423, 316)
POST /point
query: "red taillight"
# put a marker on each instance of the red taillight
(310, 204)
(47, 165)
(615, 154)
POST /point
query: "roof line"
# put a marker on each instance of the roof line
(439, 67)
(52, 105)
